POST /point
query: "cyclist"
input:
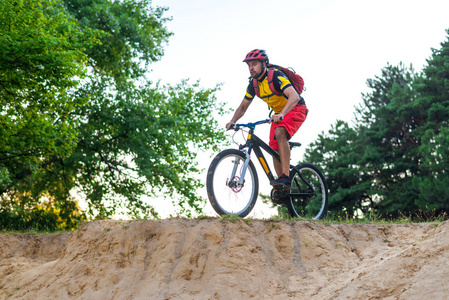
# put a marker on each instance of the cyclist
(290, 111)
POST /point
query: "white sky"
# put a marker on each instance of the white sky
(334, 45)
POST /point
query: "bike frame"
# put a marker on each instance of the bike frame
(255, 143)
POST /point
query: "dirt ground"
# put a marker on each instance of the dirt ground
(215, 259)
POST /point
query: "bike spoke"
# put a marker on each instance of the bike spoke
(227, 196)
(308, 195)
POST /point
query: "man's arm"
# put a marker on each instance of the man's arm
(240, 111)
(292, 101)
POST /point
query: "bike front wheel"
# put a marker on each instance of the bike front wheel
(226, 195)
(308, 196)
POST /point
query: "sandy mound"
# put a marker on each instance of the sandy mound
(213, 259)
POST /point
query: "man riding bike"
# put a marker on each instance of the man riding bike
(290, 110)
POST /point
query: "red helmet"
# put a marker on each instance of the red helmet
(256, 54)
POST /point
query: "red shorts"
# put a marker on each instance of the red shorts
(291, 121)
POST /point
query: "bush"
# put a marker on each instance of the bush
(40, 218)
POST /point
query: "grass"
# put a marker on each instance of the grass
(230, 218)
(371, 218)
(404, 218)
(273, 226)
(31, 231)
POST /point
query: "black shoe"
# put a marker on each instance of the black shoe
(282, 181)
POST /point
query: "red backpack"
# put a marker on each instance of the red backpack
(295, 79)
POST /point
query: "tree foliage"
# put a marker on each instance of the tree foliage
(394, 160)
(80, 116)
(433, 89)
(41, 62)
(133, 36)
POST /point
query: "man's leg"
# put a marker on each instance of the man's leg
(282, 167)
(279, 140)
(277, 166)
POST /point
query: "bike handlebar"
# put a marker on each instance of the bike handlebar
(249, 125)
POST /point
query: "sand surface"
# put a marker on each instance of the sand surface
(215, 259)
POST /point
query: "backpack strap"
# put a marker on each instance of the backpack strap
(256, 87)
(271, 83)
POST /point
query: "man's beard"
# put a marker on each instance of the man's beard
(257, 75)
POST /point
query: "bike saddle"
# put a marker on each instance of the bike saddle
(294, 144)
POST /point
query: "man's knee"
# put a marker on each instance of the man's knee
(281, 133)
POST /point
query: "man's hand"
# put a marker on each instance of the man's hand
(229, 125)
(276, 118)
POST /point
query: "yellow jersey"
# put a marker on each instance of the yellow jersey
(276, 102)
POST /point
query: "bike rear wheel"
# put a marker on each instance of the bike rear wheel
(225, 194)
(308, 196)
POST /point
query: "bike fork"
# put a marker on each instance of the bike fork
(234, 170)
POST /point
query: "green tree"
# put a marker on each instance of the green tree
(371, 166)
(394, 160)
(338, 154)
(137, 138)
(390, 119)
(134, 143)
(131, 138)
(134, 35)
(433, 95)
(42, 60)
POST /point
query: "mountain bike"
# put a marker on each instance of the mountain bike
(233, 185)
